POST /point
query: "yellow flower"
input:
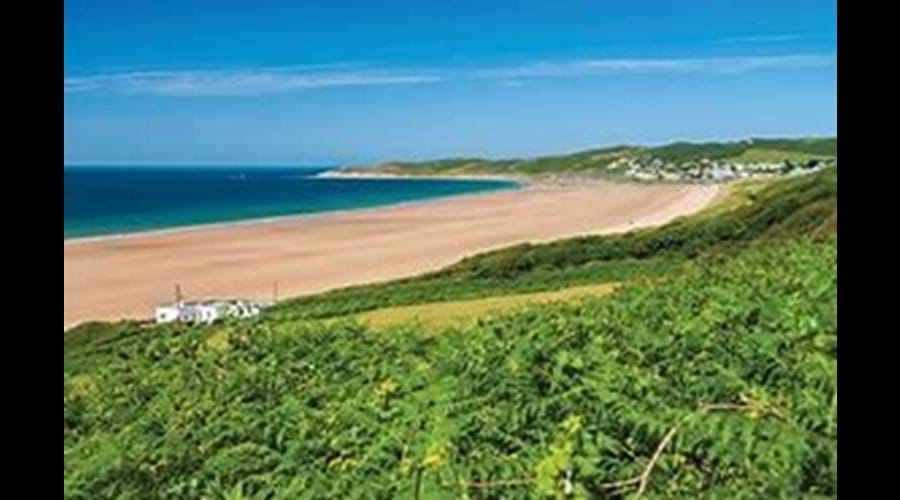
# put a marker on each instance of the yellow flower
(81, 386)
(386, 388)
(435, 458)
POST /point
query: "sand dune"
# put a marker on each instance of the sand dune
(126, 277)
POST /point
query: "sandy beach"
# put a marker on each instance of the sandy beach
(126, 277)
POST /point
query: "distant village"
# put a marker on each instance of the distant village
(706, 170)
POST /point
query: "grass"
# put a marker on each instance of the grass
(594, 162)
(736, 195)
(84, 343)
(760, 155)
(438, 315)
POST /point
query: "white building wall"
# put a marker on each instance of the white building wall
(167, 314)
(206, 312)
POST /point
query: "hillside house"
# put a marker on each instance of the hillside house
(206, 311)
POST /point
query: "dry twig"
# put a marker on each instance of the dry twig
(643, 479)
(493, 484)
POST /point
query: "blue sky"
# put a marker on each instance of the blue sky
(319, 83)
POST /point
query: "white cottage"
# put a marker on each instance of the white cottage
(206, 311)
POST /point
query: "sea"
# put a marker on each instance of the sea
(105, 200)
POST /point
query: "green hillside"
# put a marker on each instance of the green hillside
(598, 161)
(804, 205)
(710, 373)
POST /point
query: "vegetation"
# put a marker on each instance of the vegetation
(435, 315)
(726, 372)
(710, 372)
(598, 162)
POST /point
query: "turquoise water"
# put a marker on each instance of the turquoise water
(116, 200)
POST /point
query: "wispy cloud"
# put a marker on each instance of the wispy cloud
(252, 81)
(235, 82)
(726, 65)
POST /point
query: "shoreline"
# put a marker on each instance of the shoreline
(283, 218)
(124, 277)
(338, 174)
